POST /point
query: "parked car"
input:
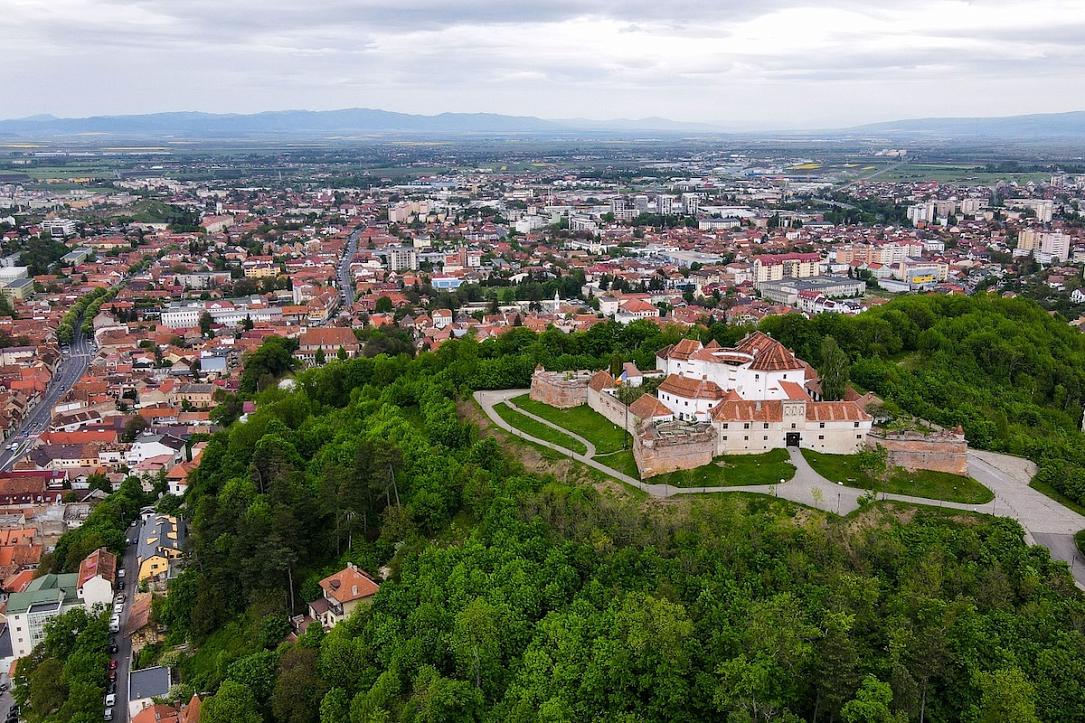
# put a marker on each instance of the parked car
(115, 624)
(108, 714)
(118, 608)
(112, 675)
(112, 648)
(110, 700)
(113, 664)
(112, 688)
(120, 573)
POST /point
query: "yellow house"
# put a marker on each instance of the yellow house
(161, 538)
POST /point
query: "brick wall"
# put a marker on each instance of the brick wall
(558, 389)
(613, 409)
(656, 456)
(945, 451)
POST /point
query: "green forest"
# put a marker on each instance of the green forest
(511, 595)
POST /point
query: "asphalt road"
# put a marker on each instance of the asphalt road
(124, 643)
(74, 362)
(346, 283)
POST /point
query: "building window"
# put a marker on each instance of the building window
(746, 425)
(857, 425)
(725, 427)
(792, 425)
(821, 426)
(821, 436)
(766, 425)
(858, 436)
(766, 438)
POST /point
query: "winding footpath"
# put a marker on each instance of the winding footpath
(1045, 521)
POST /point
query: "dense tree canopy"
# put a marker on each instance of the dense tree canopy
(513, 596)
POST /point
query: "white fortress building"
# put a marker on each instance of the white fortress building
(757, 396)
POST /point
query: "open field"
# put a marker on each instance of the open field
(844, 468)
(950, 172)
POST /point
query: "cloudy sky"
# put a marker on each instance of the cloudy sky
(740, 64)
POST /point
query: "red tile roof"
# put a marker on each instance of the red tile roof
(691, 388)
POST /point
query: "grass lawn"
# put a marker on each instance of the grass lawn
(621, 461)
(537, 429)
(924, 483)
(734, 470)
(727, 471)
(583, 420)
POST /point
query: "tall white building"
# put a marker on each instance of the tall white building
(691, 203)
(665, 205)
(921, 213)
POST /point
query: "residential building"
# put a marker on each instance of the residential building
(159, 547)
(341, 594)
(28, 611)
(97, 576)
(774, 267)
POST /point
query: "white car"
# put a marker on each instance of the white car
(115, 624)
(110, 700)
(118, 608)
(120, 572)
(108, 714)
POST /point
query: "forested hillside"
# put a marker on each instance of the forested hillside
(514, 596)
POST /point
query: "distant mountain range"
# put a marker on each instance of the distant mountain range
(331, 122)
(353, 122)
(1046, 125)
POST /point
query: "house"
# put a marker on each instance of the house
(159, 713)
(342, 592)
(328, 340)
(138, 627)
(97, 574)
(150, 445)
(161, 538)
(146, 685)
(198, 396)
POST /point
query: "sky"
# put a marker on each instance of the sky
(736, 64)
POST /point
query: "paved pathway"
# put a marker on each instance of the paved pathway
(1045, 521)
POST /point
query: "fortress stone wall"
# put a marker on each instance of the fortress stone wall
(664, 447)
(613, 409)
(940, 451)
(560, 389)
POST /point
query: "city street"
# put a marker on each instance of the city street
(124, 642)
(72, 365)
(346, 283)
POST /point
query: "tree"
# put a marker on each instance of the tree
(256, 672)
(320, 357)
(298, 689)
(834, 369)
(1007, 697)
(475, 637)
(205, 324)
(233, 703)
(383, 305)
(871, 704)
(873, 461)
(134, 427)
